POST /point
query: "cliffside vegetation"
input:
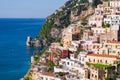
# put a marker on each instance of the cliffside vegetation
(61, 18)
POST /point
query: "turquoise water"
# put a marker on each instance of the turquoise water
(14, 55)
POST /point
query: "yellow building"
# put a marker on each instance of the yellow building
(99, 64)
(112, 48)
(105, 55)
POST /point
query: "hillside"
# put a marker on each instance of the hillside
(72, 11)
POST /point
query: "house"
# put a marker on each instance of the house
(70, 33)
(115, 4)
(88, 35)
(53, 47)
(82, 57)
(102, 58)
(47, 76)
(62, 51)
(75, 45)
(110, 35)
(112, 48)
(96, 20)
(86, 45)
(98, 30)
(112, 19)
(97, 74)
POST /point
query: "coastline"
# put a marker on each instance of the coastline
(15, 56)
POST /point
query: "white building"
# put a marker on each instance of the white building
(74, 46)
(114, 4)
(47, 76)
(82, 57)
(98, 30)
(112, 19)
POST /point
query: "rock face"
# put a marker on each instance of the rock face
(30, 42)
(69, 13)
(55, 32)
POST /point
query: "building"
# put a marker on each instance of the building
(99, 64)
(96, 20)
(115, 4)
(106, 48)
(110, 35)
(86, 45)
(112, 19)
(75, 45)
(62, 51)
(102, 58)
(89, 36)
(82, 57)
(98, 30)
(70, 33)
(47, 76)
(97, 74)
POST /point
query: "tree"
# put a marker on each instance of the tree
(96, 2)
(106, 25)
(83, 20)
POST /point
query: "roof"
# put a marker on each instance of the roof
(48, 74)
(102, 55)
(115, 42)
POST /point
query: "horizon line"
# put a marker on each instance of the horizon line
(21, 18)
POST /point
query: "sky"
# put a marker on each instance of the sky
(28, 8)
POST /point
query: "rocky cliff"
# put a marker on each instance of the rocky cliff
(72, 11)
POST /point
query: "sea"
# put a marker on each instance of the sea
(14, 54)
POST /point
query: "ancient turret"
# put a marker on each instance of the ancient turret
(29, 41)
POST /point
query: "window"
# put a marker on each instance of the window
(82, 59)
(94, 60)
(67, 63)
(106, 61)
(95, 76)
(89, 60)
(101, 61)
(103, 51)
(114, 51)
(92, 75)
(98, 61)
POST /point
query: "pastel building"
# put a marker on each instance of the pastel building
(96, 20)
(111, 34)
(98, 31)
(82, 57)
(69, 34)
(97, 74)
(47, 76)
(62, 51)
(102, 59)
(88, 35)
(75, 45)
(112, 48)
(103, 9)
(86, 45)
(115, 4)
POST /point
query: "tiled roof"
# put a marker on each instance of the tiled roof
(102, 55)
(48, 74)
(115, 42)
